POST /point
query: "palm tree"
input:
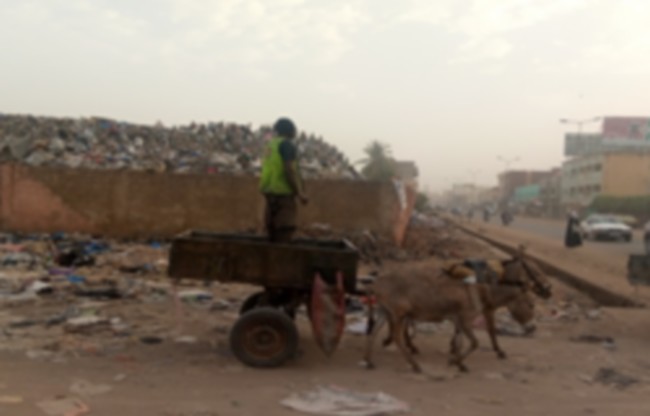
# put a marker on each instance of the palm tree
(378, 164)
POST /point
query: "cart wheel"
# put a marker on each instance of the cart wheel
(264, 337)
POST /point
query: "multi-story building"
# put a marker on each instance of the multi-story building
(550, 194)
(613, 162)
(613, 173)
(509, 181)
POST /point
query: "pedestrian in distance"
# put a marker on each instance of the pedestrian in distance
(573, 236)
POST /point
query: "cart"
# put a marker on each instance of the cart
(315, 273)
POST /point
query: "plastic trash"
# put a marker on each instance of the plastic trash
(64, 406)
(359, 327)
(83, 323)
(195, 296)
(86, 389)
(76, 279)
(338, 401)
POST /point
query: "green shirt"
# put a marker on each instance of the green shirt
(274, 179)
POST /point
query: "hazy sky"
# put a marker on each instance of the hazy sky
(448, 83)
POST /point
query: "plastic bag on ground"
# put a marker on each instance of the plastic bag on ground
(338, 401)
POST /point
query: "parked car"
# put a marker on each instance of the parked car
(603, 227)
(628, 220)
(646, 238)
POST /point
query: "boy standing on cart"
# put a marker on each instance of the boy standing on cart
(280, 182)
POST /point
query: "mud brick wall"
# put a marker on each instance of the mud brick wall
(135, 204)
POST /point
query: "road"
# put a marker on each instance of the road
(554, 229)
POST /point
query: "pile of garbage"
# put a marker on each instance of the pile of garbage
(100, 143)
(424, 239)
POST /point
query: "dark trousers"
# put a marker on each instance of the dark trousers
(280, 217)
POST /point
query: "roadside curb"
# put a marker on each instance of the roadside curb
(603, 296)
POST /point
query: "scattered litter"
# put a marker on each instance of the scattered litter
(39, 355)
(151, 340)
(611, 377)
(359, 327)
(220, 305)
(59, 319)
(64, 406)
(607, 342)
(337, 401)
(76, 279)
(83, 323)
(119, 378)
(185, 340)
(511, 331)
(354, 305)
(20, 298)
(40, 288)
(592, 339)
(494, 376)
(23, 323)
(432, 376)
(85, 389)
(195, 296)
(594, 314)
(119, 327)
(100, 293)
(11, 400)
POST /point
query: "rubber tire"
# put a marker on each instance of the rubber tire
(250, 303)
(280, 322)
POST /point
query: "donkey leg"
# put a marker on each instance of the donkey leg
(492, 331)
(374, 325)
(398, 336)
(465, 327)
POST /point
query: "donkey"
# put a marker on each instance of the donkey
(413, 294)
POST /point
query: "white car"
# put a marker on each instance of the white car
(603, 227)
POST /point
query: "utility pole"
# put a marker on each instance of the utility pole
(507, 162)
(580, 122)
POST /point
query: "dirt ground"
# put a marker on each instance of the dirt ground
(570, 366)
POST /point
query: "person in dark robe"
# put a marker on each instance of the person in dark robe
(573, 237)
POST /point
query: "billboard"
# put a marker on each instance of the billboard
(623, 132)
(618, 133)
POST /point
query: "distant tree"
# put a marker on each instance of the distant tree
(378, 164)
(422, 203)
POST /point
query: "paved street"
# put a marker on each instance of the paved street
(554, 229)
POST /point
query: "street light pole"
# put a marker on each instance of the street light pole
(580, 122)
(508, 161)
